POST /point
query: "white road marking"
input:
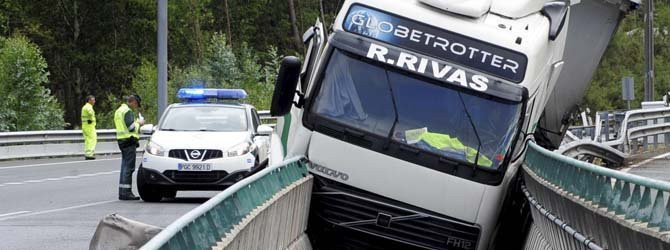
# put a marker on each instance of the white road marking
(56, 210)
(645, 162)
(58, 163)
(60, 178)
(14, 213)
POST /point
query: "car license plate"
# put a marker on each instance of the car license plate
(194, 167)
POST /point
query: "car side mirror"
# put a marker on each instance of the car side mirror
(264, 130)
(147, 129)
(285, 87)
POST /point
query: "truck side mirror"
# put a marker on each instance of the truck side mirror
(557, 12)
(147, 129)
(285, 87)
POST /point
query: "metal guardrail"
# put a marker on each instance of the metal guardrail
(623, 193)
(554, 226)
(587, 195)
(59, 143)
(639, 121)
(51, 136)
(56, 143)
(203, 226)
(577, 149)
(626, 132)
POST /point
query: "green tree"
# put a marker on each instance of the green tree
(221, 63)
(625, 57)
(26, 103)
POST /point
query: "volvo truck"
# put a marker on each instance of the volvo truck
(414, 115)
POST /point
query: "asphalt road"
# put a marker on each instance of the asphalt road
(57, 203)
(657, 167)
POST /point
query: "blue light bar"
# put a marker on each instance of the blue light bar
(202, 94)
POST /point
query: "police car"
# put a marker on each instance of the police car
(208, 142)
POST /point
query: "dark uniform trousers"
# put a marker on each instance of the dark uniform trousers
(128, 155)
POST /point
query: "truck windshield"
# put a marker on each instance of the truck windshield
(205, 118)
(415, 111)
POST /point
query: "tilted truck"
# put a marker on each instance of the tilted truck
(414, 114)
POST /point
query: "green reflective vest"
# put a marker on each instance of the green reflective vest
(122, 131)
(87, 113)
(442, 141)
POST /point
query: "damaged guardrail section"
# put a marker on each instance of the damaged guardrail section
(631, 212)
(230, 211)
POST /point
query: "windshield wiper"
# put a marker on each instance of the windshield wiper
(168, 129)
(389, 138)
(474, 128)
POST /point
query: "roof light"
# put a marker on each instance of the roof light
(192, 94)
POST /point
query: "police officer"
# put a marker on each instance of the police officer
(128, 136)
(88, 128)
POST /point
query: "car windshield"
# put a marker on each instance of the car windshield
(416, 112)
(205, 118)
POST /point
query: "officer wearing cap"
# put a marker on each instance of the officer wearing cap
(128, 136)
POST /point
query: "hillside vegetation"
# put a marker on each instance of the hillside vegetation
(55, 52)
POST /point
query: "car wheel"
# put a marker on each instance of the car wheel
(146, 191)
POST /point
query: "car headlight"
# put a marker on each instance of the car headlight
(240, 149)
(154, 149)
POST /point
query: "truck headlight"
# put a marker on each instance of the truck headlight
(154, 149)
(240, 149)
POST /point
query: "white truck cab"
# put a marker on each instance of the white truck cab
(413, 115)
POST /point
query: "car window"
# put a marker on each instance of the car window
(254, 118)
(205, 118)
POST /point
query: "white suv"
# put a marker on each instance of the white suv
(199, 145)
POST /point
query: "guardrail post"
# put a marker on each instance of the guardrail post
(658, 211)
(644, 211)
(607, 126)
(634, 203)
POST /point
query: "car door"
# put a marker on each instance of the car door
(261, 142)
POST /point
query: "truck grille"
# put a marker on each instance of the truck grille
(202, 155)
(195, 177)
(370, 214)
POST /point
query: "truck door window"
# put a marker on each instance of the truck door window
(313, 50)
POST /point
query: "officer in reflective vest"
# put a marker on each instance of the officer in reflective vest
(88, 128)
(128, 136)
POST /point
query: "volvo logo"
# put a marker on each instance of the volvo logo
(327, 171)
(195, 154)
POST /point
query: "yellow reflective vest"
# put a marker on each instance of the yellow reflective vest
(442, 141)
(87, 114)
(122, 131)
